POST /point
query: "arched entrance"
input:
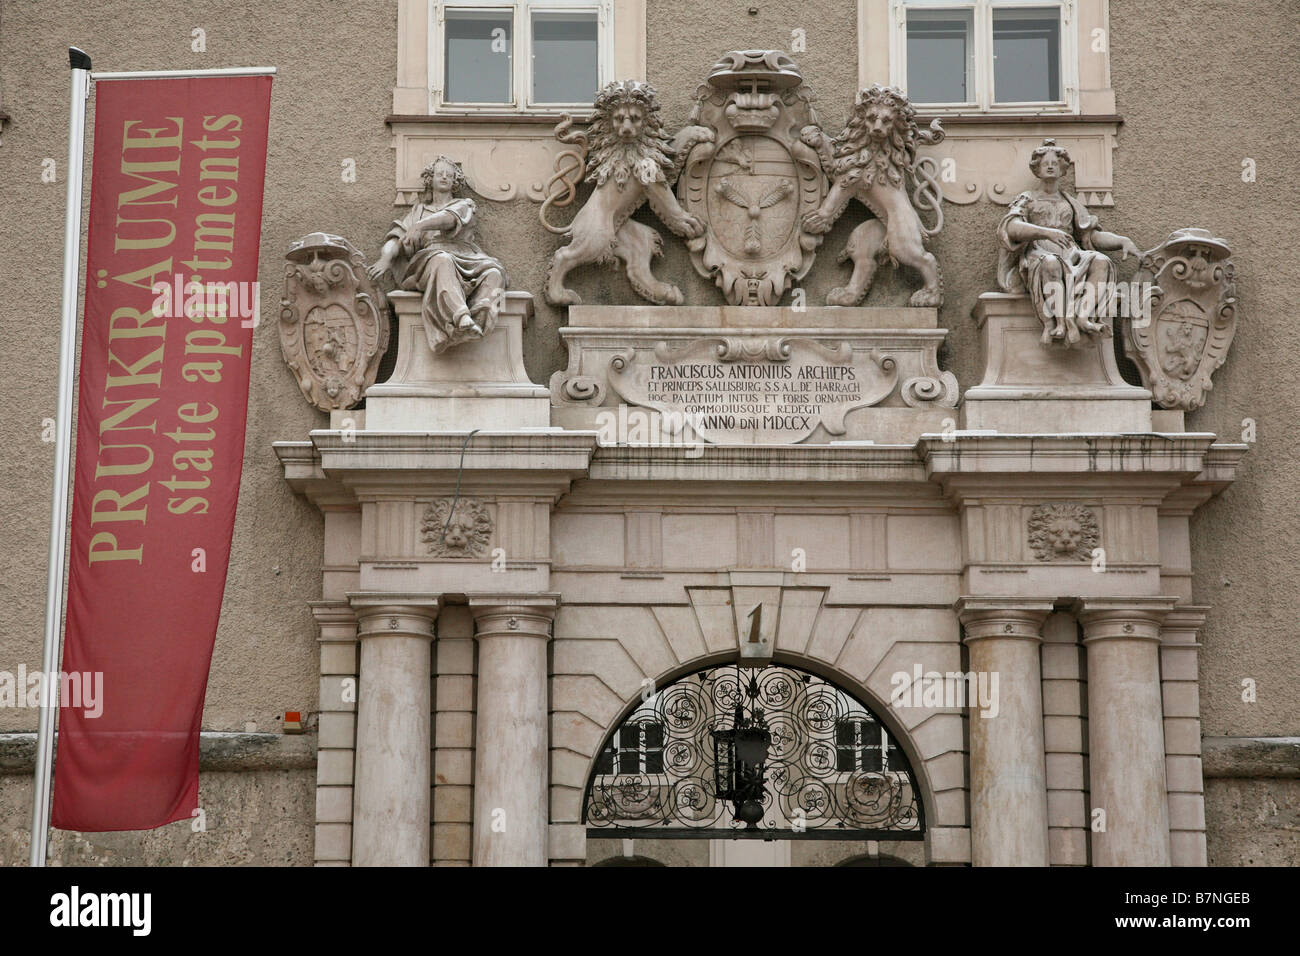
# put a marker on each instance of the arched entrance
(771, 753)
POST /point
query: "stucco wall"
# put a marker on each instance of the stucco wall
(1197, 99)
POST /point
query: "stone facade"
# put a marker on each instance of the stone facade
(950, 524)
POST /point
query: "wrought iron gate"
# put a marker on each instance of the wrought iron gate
(772, 753)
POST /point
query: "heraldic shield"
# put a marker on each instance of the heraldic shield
(333, 322)
(1192, 321)
(753, 183)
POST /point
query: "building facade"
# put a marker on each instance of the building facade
(813, 451)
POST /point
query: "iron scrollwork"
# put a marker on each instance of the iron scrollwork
(830, 768)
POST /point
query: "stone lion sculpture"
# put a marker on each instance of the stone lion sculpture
(631, 160)
(462, 532)
(870, 161)
(1063, 532)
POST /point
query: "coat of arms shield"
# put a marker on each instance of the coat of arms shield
(752, 183)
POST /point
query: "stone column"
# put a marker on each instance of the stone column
(1008, 796)
(391, 820)
(511, 752)
(1126, 752)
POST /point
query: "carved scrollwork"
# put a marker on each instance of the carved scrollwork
(930, 390)
(578, 390)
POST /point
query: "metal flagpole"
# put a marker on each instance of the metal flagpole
(80, 65)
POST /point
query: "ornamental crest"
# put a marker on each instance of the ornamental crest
(751, 180)
(1192, 320)
(333, 326)
(457, 529)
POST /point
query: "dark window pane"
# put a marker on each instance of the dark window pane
(1027, 55)
(479, 52)
(871, 758)
(939, 55)
(565, 57)
(605, 762)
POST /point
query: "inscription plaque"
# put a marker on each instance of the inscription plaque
(766, 391)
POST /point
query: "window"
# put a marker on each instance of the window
(986, 55)
(548, 56)
(635, 748)
(861, 743)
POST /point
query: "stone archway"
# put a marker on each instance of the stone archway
(605, 656)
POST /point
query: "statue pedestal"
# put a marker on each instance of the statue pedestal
(479, 384)
(1031, 388)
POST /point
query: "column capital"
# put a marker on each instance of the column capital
(513, 615)
(1007, 617)
(394, 613)
(1127, 618)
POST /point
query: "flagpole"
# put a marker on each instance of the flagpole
(79, 63)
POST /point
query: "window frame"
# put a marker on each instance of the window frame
(981, 72)
(858, 748)
(521, 12)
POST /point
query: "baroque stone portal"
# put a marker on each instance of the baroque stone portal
(333, 321)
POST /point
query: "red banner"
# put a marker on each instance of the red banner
(171, 300)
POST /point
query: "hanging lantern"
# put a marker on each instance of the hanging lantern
(740, 758)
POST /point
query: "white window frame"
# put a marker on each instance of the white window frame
(982, 72)
(522, 66)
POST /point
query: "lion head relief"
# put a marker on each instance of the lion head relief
(879, 141)
(1063, 532)
(626, 137)
(460, 533)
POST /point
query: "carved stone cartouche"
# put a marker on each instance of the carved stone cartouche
(1192, 321)
(750, 179)
(333, 321)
